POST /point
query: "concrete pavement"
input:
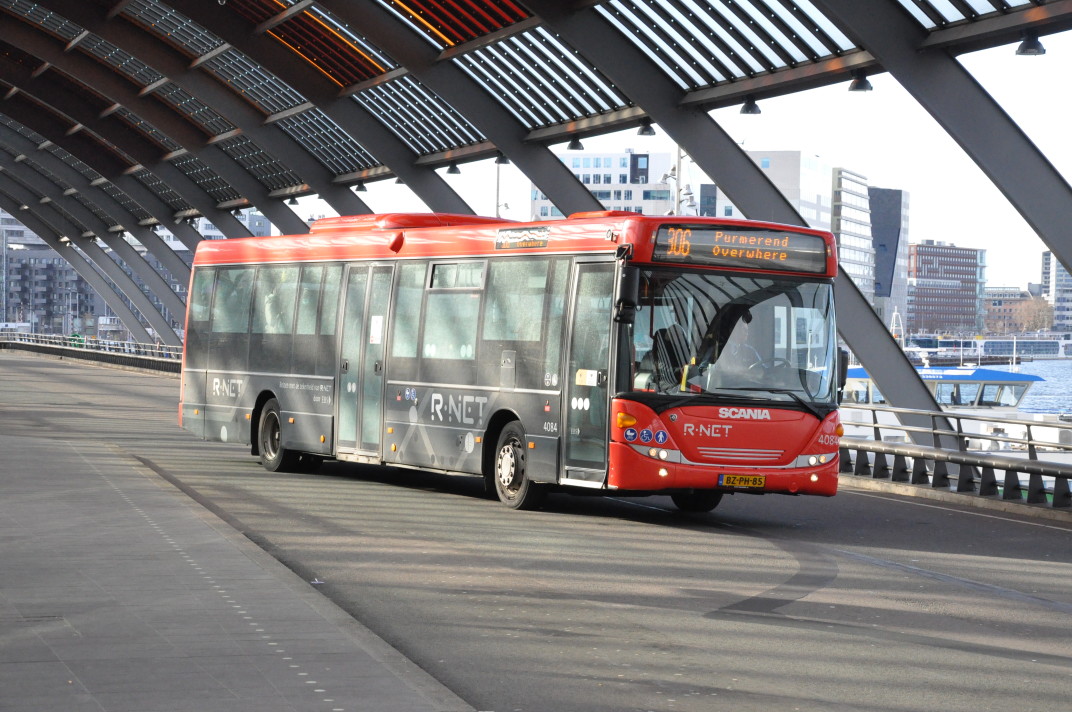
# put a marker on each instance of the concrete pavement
(118, 592)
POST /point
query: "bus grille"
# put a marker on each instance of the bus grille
(736, 454)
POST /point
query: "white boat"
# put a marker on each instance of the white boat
(985, 400)
(953, 387)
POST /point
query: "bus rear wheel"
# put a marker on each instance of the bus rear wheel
(274, 457)
(513, 487)
(696, 500)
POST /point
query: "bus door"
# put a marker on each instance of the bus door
(361, 359)
(587, 387)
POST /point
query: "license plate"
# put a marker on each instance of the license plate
(746, 481)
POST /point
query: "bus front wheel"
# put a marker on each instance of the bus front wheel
(696, 500)
(274, 457)
(513, 487)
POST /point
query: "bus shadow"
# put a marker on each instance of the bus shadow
(642, 509)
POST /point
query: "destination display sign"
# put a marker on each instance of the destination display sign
(727, 246)
(519, 238)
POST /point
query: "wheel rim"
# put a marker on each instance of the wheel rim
(272, 436)
(506, 467)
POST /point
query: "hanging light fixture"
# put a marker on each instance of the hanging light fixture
(645, 128)
(453, 169)
(501, 160)
(750, 106)
(575, 145)
(292, 201)
(360, 187)
(1030, 45)
(859, 81)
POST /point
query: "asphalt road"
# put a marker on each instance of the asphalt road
(866, 601)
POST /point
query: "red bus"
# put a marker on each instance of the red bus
(609, 351)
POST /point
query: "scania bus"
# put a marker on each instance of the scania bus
(610, 351)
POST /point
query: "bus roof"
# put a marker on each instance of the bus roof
(444, 235)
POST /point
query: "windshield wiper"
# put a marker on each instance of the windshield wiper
(782, 391)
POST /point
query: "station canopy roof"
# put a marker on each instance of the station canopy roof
(225, 104)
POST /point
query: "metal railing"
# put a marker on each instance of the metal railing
(962, 456)
(155, 357)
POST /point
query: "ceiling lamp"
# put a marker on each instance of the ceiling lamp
(645, 128)
(575, 145)
(750, 106)
(292, 201)
(360, 187)
(501, 159)
(859, 81)
(453, 168)
(1030, 46)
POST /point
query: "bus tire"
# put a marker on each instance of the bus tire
(696, 500)
(274, 457)
(514, 489)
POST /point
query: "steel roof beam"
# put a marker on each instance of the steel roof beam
(80, 265)
(508, 135)
(969, 115)
(62, 226)
(45, 188)
(719, 156)
(95, 156)
(177, 68)
(382, 143)
(147, 153)
(111, 86)
(1001, 29)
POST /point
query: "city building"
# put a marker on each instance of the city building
(889, 231)
(1057, 289)
(804, 180)
(945, 288)
(44, 291)
(40, 289)
(1004, 309)
(637, 182)
(850, 221)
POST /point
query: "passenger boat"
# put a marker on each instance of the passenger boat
(986, 401)
(954, 387)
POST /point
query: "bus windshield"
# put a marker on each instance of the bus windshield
(760, 337)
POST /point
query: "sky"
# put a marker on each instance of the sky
(882, 134)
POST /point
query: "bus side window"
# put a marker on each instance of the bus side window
(197, 325)
(305, 347)
(406, 320)
(513, 320)
(329, 311)
(230, 308)
(271, 338)
(229, 340)
(553, 322)
(273, 308)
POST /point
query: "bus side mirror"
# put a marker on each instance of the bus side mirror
(625, 303)
(842, 370)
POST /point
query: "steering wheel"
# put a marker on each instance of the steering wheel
(767, 364)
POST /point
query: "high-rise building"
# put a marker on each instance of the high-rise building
(1057, 289)
(889, 231)
(946, 288)
(636, 182)
(804, 180)
(828, 198)
(850, 221)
